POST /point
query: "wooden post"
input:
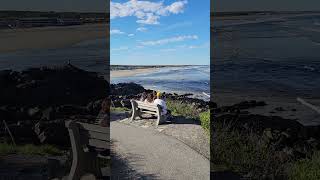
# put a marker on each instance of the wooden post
(6, 126)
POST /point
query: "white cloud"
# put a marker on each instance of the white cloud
(120, 48)
(130, 35)
(146, 12)
(169, 40)
(168, 50)
(176, 7)
(142, 29)
(116, 31)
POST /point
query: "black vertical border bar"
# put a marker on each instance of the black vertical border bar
(212, 104)
(107, 77)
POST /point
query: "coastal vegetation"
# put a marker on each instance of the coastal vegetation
(263, 147)
(29, 149)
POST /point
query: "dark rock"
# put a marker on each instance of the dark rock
(44, 86)
(279, 109)
(242, 105)
(94, 107)
(126, 89)
(117, 103)
(33, 112)
(68, 110)
(48, 114)
(53, 133)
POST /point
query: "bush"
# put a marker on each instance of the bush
(119, 109)
(308, 169)
(246, 154)
(178, 108)
(29, 149)
(205, 120)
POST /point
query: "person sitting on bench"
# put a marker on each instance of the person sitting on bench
(162, 103)
(149, 99)
(103, 117)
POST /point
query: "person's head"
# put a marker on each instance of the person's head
(143, 96)
(150, 98)
(154, 94)
(158, 95)
(105, 105)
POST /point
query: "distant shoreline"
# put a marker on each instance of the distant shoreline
(131, 72)
(13, 40)
(132, 67)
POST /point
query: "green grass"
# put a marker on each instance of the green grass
(205, 120)
(178, 108)
(306, 169)
(29, 149)
(119, 109)
(246, 154)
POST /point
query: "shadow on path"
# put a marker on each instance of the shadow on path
(120, 169)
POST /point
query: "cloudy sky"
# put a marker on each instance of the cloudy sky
(160, 32)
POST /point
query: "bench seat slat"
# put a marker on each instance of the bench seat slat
(149, 112)
(98, 143)
(94, 127)
(103, 157)
(95, 135)
(148, 107)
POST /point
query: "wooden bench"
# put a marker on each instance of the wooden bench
(139, 108)
(83, 137)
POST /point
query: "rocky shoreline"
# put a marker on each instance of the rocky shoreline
(36, 102)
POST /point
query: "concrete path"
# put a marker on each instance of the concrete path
(154, 155)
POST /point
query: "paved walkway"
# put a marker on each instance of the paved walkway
(154, 155)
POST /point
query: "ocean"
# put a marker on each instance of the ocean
(88, 55)
(276, 56)
(180, 80)
(92, 56)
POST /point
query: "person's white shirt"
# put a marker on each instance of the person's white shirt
(163, 105)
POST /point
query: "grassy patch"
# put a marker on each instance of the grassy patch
(205, 120)
(247, 154)
(29, 149)
(178, 108)
(308, 169)
(119, 109)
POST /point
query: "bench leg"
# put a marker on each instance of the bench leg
(158, 121)
(88, 163)
(82, 162)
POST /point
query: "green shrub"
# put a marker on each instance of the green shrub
(306, 169)
(246, 154)
(205, 120)
(6, 149)
(119, 109)
(178, 108)
(29, 149)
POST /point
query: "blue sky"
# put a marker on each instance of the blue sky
(160, 32)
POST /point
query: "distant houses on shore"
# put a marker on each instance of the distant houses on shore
(45, 21)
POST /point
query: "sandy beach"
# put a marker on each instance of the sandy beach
(133, 72)
(49, 37)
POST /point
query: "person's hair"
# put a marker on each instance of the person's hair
(150, 98)
(154, 95)
(105, 105)
(143, 96)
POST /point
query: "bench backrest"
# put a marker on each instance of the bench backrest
(91, 134)
(148, 107)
